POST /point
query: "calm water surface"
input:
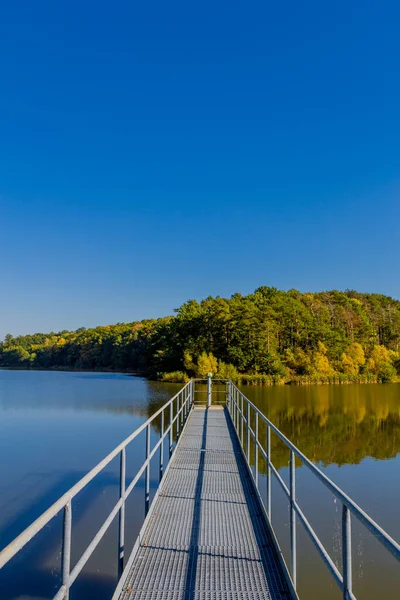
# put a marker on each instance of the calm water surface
(55, 426)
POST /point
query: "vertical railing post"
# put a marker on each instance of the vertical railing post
(293, 552)
(346, 553)
(171, 439)
(182, 406)
(248, 433)
(242, 422)
(147, 482)
(66, 547)
(233, 404)
(256, 449)
(209, 390)
(227, 397)
(162, 446)
(121, 530)
(177, 417)
(237, 411)
(268, 453)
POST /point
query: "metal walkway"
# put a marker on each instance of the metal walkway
(207, 537)
(207, 534)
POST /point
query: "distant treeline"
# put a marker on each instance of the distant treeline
(270, 336)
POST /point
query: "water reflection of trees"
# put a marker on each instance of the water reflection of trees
(333, 425)
(330, 424)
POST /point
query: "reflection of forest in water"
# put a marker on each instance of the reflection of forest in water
(339, 424)
(333, 424)
(330, 424)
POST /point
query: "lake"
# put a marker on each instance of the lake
(55, 426)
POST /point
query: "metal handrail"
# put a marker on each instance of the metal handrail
(205, 379)
(235, 402)
(184, 403)
(239, 408)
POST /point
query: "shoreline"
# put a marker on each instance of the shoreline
(74, 370)
(245, 380)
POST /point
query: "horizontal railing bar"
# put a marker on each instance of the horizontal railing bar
(321, 549)
(177, 415)
(202, 379)
(213, 391)
(61, 593)
(244, 419)
(94, 543)
(381, 535)
(279, 478)
(19, 542)
(263, 452)
(141, 471)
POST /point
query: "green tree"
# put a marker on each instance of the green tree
(270, 335)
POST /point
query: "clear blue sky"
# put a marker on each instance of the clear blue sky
(152, 152)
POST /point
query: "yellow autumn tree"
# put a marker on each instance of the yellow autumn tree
(321, 362)
(227, 371)
(353, 359)
(206, 363)
(188, 361)
(356, 352)
(379, 356)
(347, 365)
(380, 363)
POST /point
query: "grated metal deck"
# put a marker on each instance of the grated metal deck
(207, 538)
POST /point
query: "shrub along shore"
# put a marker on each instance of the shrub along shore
(265, 338)
(289, 379)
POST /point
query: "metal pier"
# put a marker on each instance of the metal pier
(207, 536)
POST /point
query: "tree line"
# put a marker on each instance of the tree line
(269, 336)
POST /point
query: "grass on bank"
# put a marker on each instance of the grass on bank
(378, 369)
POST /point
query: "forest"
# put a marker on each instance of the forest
(267, 337)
